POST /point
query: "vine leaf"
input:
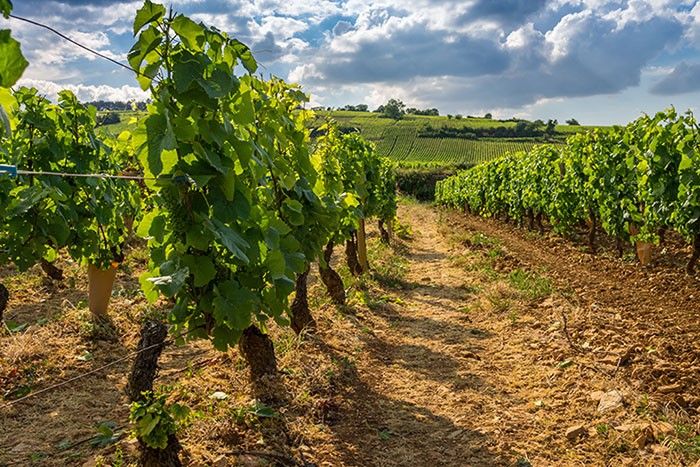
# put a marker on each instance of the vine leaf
(146, 14)
(12, 62)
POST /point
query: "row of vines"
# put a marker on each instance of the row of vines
(220, 177)
(635, 182)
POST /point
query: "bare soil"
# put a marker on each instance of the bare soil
(472, 343)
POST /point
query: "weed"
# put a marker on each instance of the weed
(403, 230)
(251, 415)
(643, 406)
(118, 457)
(288, 342)
(496, 252)
(513, 316)
(500, 304)
(532, 284)
(602, 429)
(389, 268)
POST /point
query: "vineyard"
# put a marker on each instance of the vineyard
(173, 290)
(636, 183)
(403, 142)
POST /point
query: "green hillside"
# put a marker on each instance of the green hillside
(419, 140)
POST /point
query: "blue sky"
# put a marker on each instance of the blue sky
(601, 62)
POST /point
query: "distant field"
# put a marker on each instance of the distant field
(401, 140)
(127, 123)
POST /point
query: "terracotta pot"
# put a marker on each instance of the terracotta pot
(644, 253)
(643, 248)
(100, 284)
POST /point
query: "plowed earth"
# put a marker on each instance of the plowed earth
(473, 343)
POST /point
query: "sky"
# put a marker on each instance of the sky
(600, 62)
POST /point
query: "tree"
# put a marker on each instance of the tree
(572, 121)
(488, 115)
(395, 109)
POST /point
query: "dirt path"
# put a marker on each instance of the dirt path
(469, 365)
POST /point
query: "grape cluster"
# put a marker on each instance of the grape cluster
(179, 215)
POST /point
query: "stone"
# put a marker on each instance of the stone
(611, 400)
(597, 395)
(575, 431)
(644, 438)
(664, 429)
(659, 449)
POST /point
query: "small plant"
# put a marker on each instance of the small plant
(602, 429)
(513, 316)
(402, 230)
(532, 284)
(155, 420)
(108, 433)
(251, 415)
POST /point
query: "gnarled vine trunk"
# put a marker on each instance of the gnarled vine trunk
(620, 245)
(591, 231)
(384, 234)
(259, 352)
(538, 220)
(145, 367)
(362, 246)
(4, 298)
(143, 373)
(168, 457)
(301, 315)
(51, 270)
(351, 255)
(331, 279)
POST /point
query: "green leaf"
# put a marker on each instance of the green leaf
(261, 410)
(5, 125)
(148, 13)
(170, 284)
(147, 424)
(160, 137)
(218, 85)
(29, 198)
(201, 267)
(276, 264)
(14, 327)
(12, 62)
(149, 289)
(686, 163)
(191, 33)
(231, 240)
(228, 184)
(244, 53)
(152, 225)
(234, 305)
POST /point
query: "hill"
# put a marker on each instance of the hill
(419, 140)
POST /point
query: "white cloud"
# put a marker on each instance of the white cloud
(86, 93)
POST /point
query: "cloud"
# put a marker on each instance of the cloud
(505, 12)
(683, 79)
(591, 49)
(396, 50)
(87, 93)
